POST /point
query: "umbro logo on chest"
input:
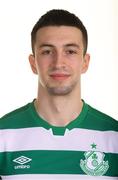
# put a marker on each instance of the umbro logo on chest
(22, 162)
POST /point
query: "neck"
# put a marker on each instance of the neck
(58, 110)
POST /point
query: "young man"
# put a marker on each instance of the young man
(58, 135)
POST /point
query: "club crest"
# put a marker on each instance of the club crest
(94, 163)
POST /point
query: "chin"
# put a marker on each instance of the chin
(60, 91)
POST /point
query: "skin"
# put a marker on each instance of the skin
(59, 62)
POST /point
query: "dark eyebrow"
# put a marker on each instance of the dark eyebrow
(66, 45)
(46, 45)
(72, 44)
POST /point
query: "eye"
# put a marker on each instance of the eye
(46, 52)
(70, 51)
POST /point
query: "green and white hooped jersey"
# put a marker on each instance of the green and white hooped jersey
(30, 148)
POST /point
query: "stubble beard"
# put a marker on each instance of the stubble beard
(61, 90)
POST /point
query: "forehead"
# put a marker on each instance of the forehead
(59, 35)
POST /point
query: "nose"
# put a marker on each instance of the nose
(59, 59)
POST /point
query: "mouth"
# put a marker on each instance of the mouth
(58, 76)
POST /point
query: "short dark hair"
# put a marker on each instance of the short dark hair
(58, 17)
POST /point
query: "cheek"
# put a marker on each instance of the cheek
(42, 67)
(76, 66)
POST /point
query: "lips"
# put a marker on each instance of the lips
(58, 76)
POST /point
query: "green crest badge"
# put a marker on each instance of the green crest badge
(94, 163)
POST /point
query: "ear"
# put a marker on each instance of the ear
(85, 64)
(33, 63)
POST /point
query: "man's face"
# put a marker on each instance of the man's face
(59, 60)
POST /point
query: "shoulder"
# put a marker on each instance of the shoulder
(101, 119)
(14, 117)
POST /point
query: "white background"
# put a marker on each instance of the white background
(18, 85)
